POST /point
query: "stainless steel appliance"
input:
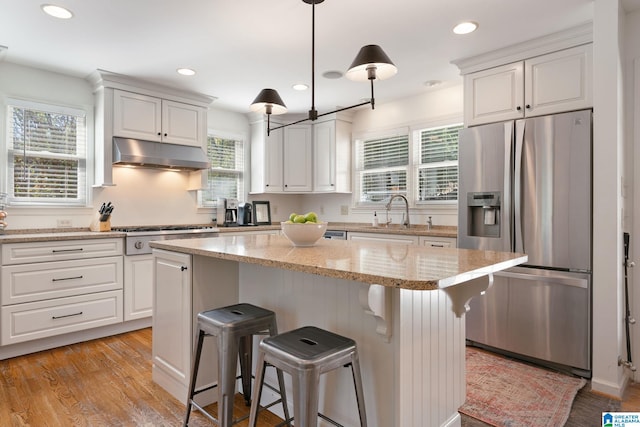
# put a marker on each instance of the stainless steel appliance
(245, 214)
(227, 212)
(525, 186)
(335, 234)
(138, 238)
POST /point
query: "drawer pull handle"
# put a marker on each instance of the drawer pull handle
(66, 315)
(433, 245)
(183, 268)
(67, 250)
(67, 278)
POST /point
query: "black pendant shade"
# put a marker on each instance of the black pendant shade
(270, 101)
(370, 64)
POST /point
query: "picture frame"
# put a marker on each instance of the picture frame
(261, 213)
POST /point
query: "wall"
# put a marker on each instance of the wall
(608, 138)
(632, 164)
(140, 196)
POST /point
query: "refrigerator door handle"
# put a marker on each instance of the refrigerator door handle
(518, 244)
(507, 223)
(555, 279)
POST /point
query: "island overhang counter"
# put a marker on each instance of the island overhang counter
(404, 305)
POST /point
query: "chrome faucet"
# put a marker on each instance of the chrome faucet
(406, 205)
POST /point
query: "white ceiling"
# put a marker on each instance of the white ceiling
(238, 47)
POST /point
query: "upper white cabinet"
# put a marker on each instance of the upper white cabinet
(544, 84)
(332, 156)
(302, 158)
(132, 108)
(155, 119)
(297, 157)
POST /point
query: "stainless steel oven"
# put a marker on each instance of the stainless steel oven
(137, 238)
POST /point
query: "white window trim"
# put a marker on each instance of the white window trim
(441, 206)
(247, 161)
(52, 107)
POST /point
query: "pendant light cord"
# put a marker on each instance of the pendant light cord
(313, 114)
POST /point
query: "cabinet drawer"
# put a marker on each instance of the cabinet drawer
(34, 320)
(438, 242)
(47, 280)
(20, 253)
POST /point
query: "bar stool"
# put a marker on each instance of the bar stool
(234, 327)
(306, 353)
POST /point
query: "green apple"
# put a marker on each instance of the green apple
(299, 219)
(311, 217)
(292, 216)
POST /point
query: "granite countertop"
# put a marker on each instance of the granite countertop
(401, 266)
(58, 234)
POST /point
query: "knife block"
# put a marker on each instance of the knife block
(97, 225)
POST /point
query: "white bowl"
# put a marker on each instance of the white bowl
(306, 234)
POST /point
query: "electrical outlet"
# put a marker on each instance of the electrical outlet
(275, 210)
(63, 223)
(344, 210)
(321, 210)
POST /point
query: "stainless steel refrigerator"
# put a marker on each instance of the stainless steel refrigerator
(525, 186)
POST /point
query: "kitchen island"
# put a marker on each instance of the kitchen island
(404, 305)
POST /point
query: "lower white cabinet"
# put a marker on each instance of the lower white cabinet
(438, 242)
(384, 237)
(52, 288)
(138, 286)
(41, 319)
(172, 319)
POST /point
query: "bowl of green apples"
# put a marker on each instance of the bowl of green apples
(303, 230)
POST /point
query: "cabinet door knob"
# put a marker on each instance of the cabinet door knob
(518, 108)
(286, 185)
(165, 134)
(183, 268)
(528, 107)
(159, 133)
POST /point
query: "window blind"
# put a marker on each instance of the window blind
(225, 177)
(382, 167)
(46, 155)
(437, 173)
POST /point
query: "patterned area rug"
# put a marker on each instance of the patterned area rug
(506, 393)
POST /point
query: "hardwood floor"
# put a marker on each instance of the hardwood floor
(107, 382)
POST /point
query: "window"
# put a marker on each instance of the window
(46, 153)
(225, 178)
(383, 166)
(437, 158)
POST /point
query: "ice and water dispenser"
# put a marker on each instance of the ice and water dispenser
(484, 214)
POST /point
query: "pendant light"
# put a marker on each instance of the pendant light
(370, 64)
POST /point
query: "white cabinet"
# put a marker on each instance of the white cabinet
(53, 288)
(332, 156)
(384, 238)
(297, 157)
(438, 242)
(545, 84)
(172, 333)
(183, 287)
(302, 158)
(138, 286)
(154, 119)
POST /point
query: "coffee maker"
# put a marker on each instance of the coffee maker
(244, 213)
(227, 212)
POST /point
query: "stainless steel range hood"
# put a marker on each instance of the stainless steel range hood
(151, 154)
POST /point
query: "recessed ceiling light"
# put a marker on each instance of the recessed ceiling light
(300, 86)
(432, 83)
(465, 27)
(57, 11)
(186, 71)
(332, 74)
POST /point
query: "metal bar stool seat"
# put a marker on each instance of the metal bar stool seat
(305, 354)
(234, 327)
